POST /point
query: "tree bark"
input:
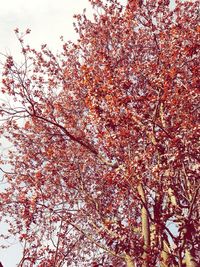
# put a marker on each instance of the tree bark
(145, 226)
(189, 259)
(165, 255)
(129, 262)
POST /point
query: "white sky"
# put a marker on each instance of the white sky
(48, 20)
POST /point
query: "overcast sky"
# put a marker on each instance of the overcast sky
(48, 20)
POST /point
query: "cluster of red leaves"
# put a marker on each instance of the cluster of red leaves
(90, 127)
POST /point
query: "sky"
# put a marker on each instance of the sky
(48, 20)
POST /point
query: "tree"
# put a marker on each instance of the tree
(104, 162)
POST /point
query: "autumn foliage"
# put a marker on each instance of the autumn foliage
(103, 167)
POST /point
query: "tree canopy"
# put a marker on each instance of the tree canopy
(103, 167)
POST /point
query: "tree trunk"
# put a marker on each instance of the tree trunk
(129, 262)
(189, 260)
(165, 255)
(145, 226)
